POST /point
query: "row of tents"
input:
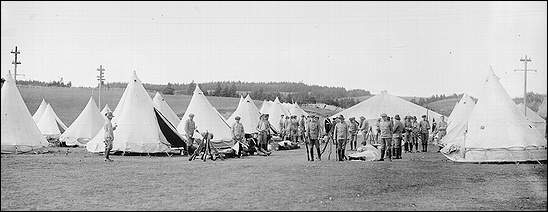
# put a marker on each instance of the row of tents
(144, 125)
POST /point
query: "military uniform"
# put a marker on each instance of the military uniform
(415, 133)
(340, 133)
(353, 132)
(293, 129)
(424, 127)
(408, 127)
(281, 124)
(364, 128)
(313, 133)
(287, 131)
(264, 130)
(397, 132)
(238, 135)
(385, 128)
(442, 131)
(301, 129)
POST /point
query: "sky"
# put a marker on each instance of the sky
(406, 48)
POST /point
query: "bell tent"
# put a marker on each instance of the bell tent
(249, 115)
(86, 125)
(49, 123)
(457, 121)
(19, 131)
(40, 111)
(274, 111)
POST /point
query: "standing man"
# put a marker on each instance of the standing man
(264, 130)
(109, 135)
(281, 124)
(364, 128)
(238, 135)
(353, 132)
(415, 134)
(313, 134)
(424, 128)
(397, 132)
(442, 130)
(287, 124)
(408, 128)
(294, 128)
(302, 124)
(385, 127)
(341, 134)
(190, 127)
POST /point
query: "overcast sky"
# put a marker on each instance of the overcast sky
(407, 48)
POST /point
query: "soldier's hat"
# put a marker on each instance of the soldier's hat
(361, 117)
(352, 118)
(397, 117)
(109, 114)
(191, 115)
(341, 116)
(424, 116)
(237, 118)
(384, 114)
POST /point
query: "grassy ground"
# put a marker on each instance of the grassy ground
(282, 181)
(444, 106)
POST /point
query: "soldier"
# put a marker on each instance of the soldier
(238, 134)
(364, 128)
(397, 131)
(378, 129)
(415, 134)
(353, 132)
(287, 123)
(264, 130)
(294, 129)
(441, 131)
(301, 129)
(282, 126)
(408, 128)
(340, 133)
(109, 135)
(424, 128)
(190, 127)
(313, 134)
(385, 127)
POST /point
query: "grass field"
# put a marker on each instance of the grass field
(444, 106)
(282, 181)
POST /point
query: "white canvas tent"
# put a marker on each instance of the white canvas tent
(538, 122)
(85, 127)
(457, 121)
(248, 113)
(274, 111)
(206, 118)
(265, 106)
(49, 123)
(161, 104)
(496, 131)
(19, 131)
(373, 107)
(294, 109)
(39, 111)
(141, 127)
(542, 109)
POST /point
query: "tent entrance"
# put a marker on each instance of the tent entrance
(169, 132)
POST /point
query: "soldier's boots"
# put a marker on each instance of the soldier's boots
(311, 154)
(398, 153)
(389, 154)
(382, 155)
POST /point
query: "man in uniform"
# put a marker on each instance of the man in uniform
(441, 131)
(397, 136)
(238, 135)
(364, 128)
(415, 132)
(109, 135)
(287, 131)
(190, 127)
(313, 134)
(293, 129)
(353, 132)
(385, 127)
(408, 129)
(302, 124)
(424, 128)
(264, 130)
(281, 124)
(340, 133)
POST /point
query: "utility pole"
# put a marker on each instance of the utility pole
(101, 79)
(15, 63)
(525, 70)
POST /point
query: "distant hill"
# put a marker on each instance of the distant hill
(444, 106)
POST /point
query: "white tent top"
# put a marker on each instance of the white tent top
(86, 125)
(49, 124)
(138, 129)
(40, 111)
(373, 107)
(265, 106)
(274, 111)
(206, 117)
(248, 113)
(458, 120)
(161, 104)
(542, 108)
(19, 131)
(294, 109)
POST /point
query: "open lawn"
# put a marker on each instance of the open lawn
(282, 181)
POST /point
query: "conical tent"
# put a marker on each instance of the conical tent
(40, 111)
(538, 122)
(265, 106)
(248, 113)
(274, 111)
(206, 118)
(19, 131)
(457, 121)
(373, 107)
(161, 104)
(542, 109)
(294, 109)
(496, 131)
(49, 124)
(85, 127)
(138, 127)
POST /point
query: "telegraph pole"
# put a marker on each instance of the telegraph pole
(101, 79)
(525, 70)
(15, 63)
